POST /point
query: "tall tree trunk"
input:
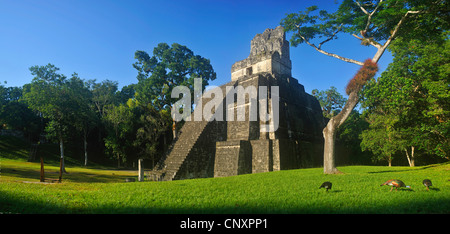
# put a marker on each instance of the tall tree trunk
(410, 159)
(118, 161)
(85, 149)
(61, 150)
(329, 134)
(390, 161)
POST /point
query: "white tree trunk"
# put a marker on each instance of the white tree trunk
(85, 151)
(329, 134)
(410, 159)
(141, 170)
(61, 150)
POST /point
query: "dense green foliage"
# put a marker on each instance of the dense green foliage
(158, 75)
(15, 113)
(427, 19)
(123, 125)
(408, 107)
(330, 100)
(167, 68)
(409, 110)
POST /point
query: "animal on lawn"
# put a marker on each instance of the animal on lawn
(427, 183)
(326, 185)
(395, 184)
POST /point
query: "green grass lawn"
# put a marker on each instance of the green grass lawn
(357, 190)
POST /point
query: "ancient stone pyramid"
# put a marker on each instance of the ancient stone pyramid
(226, 148)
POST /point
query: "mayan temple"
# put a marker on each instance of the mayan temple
(226, 148)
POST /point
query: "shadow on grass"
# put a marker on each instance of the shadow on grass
(21, 173)
(13, 148)
(82, 177)
(79, 177)
(403, 170)
(39, 205)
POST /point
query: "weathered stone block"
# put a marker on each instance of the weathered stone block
(262, 160)
(269, 52)
(232, 158)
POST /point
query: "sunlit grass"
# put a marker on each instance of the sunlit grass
(357, 190)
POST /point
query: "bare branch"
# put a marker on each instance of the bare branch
(360, 38)
(327, 53)
(371, 14)
(393, 34)
(362, 8)
(331, 54)
(331, 37)
(369, 41)
(364, 40)
(352, 101)
(381, 48)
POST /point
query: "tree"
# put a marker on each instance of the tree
(119, 121)
(103, 94)
(126, 93)
(348, 133)
(151, 125)
(49, 94)
(330, 100)
(382, 138)
(168, 67)
(385, 101)
(415, 89)
(86, 118)
(378, 23)
(15, 114)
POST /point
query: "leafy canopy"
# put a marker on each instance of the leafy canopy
(414, 93)
(170, 66)
(355, 17)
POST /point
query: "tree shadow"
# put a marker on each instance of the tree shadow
(79, 177)
(39, 205)
(402, 170)
(376, 172)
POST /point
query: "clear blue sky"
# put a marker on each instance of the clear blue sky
(97, 39)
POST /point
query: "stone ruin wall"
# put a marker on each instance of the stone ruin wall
(227, 148)
(269, 52)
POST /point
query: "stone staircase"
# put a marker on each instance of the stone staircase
(188, 136)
